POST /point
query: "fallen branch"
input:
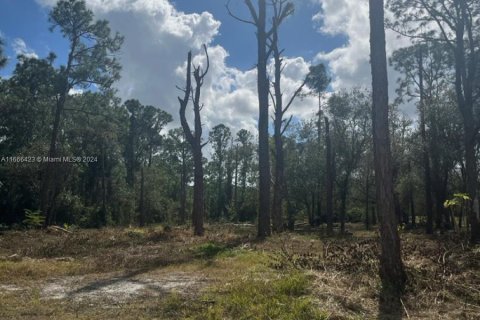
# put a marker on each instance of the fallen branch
(58, 229)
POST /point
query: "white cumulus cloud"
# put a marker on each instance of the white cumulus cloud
(157, 40)
(20, 48)
(350, 64)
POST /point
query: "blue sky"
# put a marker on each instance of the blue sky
(28, 20)
(299, 35)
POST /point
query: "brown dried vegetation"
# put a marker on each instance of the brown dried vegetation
(443, 273)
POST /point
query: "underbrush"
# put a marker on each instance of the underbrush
(288, 276)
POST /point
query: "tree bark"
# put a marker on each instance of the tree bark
(195, 141)
(279, 183)
(329, 177)
(464, 79)
(320, 152)
(183, 188)
(392, 272)
(426, 159)
(264, 228)
(198, 194)
(49, 193)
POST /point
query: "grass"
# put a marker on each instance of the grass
(284, 297)
(290, 276)
(209, 250)
(30, 270)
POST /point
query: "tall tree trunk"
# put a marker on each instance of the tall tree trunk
(48, 181)
(329, 177)
(320, 151)
(198, 194)
(464, 79)
(49, 187)
(264, 228)
(279, 183)
(426, 159)
(195, 140)
(278, 187)
(392, 272)
(183, 189)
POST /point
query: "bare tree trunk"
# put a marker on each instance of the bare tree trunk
(198, 194)
(279, 183)
(183, 190)
(278, 187)
(48, 193)
(319, 142)
(264, 228)
(392, 272)
(426, 159)
(465, 73)
(195, 139)
(280, 124)
(329, 177)
(49, 190)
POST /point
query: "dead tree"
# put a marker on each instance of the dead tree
(259, 20)
(281, 10)
(195, 138)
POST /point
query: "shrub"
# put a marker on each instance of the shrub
(33, 219)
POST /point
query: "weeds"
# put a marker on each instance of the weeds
(284, 297)
(288, 276)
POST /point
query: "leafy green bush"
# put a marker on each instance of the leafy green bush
(355, 215)
(33, 219)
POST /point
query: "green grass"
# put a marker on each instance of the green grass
(28, 270)
(283, 297)
(209, 250)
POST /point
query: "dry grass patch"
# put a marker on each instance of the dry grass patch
(289, 274)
